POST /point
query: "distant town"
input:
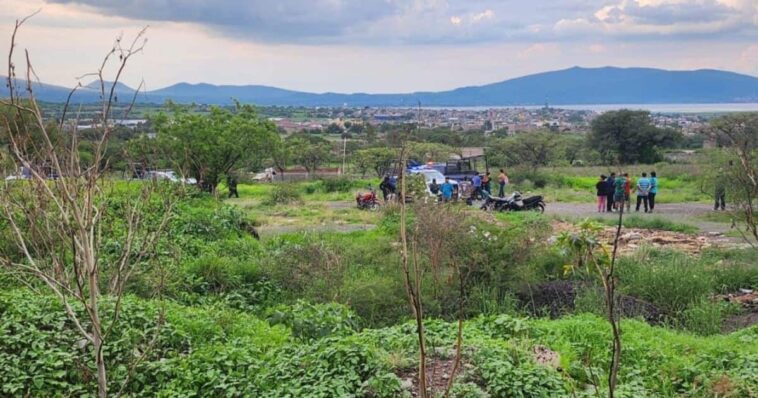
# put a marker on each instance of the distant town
(503, 120)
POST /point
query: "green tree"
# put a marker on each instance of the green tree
(334, 129)
(310, 152)
(429, 151)
(628, 137)
(531, 149)
(734, 168)
(208, 146)
(380, 160)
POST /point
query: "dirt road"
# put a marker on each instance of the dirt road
(687, 213)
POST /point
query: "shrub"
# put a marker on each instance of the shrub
(211, 274)
(467, 390)
(284, 194)
(510, 374)
(314, 321)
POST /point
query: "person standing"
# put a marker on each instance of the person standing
(447, 190)
(618, 193)
(487, 183)
(502, 181)
(720, 194)
(434, 188)
(231, 182)
(385, 187)
(628, 192)
(602, 196)
(476, 182)
(643, 190)
(653, 190)
(610, 188)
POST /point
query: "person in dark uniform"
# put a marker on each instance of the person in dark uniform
(610, 189)
(231, 181)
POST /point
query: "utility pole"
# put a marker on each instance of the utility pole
(344, 151)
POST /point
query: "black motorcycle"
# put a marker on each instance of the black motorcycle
(514, 203)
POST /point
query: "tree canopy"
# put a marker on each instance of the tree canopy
(627, 137)
(208, 146)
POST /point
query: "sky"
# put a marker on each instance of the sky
(378, 46)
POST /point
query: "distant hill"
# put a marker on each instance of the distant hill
(573, 86)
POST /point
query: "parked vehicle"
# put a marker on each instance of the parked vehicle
(432, 174)
(169, 175)
(458, 169)
(514, 203)
(266, 176)
(367, 200)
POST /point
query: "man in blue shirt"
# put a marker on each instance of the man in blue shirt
(643, 190)
(476, 182)
(653, 190)
(447, 190)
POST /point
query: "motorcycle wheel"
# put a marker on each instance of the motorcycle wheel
(374, 206)
(539, 207)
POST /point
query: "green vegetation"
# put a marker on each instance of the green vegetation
(324, 312)
(655, 223)
(238, 317)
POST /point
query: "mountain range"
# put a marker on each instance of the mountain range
(573, 86)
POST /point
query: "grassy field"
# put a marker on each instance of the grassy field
(324, 312)
(677, 183)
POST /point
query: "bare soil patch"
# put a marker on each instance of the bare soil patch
(438, 374)
(633, 238)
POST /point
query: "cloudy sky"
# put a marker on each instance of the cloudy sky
(380, 45)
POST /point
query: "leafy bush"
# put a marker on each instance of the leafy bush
(314, 321)
(509, 374)
(467, 390)
(284, 194)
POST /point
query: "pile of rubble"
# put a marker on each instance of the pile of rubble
(632, 238)
(746, 298)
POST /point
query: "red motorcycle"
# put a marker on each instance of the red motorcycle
(367, 200)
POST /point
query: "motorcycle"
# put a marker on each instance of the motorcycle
(367, 200)
(514, 203)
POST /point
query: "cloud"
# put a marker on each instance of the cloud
(672, 18)
(409, 22)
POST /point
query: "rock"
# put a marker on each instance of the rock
(406, 384)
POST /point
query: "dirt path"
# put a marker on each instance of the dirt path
(687, 213)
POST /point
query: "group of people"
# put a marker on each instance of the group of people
(483, 184)
(614, 192)
(446, 190)
(388, 186)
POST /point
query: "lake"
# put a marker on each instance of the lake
(654, 108)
